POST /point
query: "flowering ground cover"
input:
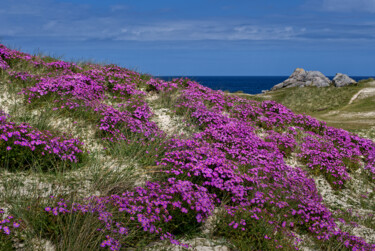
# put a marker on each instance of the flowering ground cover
(20, 144)
(233, 168)
(8, 226)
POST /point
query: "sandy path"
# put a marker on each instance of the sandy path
(364, 93)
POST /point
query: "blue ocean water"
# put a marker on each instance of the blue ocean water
(247, 84)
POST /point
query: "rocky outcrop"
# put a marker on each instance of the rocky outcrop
(341, 80)
(302, 78)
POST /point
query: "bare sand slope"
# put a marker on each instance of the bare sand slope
(364, 93)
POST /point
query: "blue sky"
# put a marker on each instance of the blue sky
(199, 37)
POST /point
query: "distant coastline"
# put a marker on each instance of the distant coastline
(246, 84)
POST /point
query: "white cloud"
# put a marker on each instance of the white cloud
(49, 18)
(205, 30)
(64, 22)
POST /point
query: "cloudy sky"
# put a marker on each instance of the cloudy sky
(199, 37)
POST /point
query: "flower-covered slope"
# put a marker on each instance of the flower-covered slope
(233, 164)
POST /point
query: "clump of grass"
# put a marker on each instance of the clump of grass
(69, 232)
(365, 81)
(139, 149)
(107, 180)
(245, 233)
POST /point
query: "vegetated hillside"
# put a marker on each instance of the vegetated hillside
(99, 156)
(350, 107)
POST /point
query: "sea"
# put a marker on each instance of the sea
(246, 84)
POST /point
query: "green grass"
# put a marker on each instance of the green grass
(314, 99)
(361, 105)
(27, 194)
(366, 81)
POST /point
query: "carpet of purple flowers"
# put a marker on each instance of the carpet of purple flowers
(226, 164)
(29, 139)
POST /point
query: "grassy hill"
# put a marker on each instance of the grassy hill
(100, 157)
(350, 107)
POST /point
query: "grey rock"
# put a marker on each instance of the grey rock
(302, 78)
(341, 80)
(278, 86)
(316, 78)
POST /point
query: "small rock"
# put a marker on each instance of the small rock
(341, 80)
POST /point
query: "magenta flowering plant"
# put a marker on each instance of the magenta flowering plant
(89, 90)
(155, 210)
(285, 142)
(9, 227)
(227, 164)
(22, 76)
(13, 57)
(160, 85)
(78, 86)
(3, 64)
(322, 156)
(246, 174)
(266, 168)
(21, 145)
(10, 56)
(116, 124)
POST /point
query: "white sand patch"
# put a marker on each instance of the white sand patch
(332, 113)
(304, 242)
(261, 133)
(209, 224)
(8, 100)
(164, 121)
(364, 93)
(36, 112)
(357, 115)
(152, 97)
(329, 196)
(18, 185)
(367, 133)
(36, 244)
(42, 245)
(347, 198)
(86, 133)
(364, 232)
(196, 244)
(78, 129)
(293, 161)
(142, 178)
(171, 125)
